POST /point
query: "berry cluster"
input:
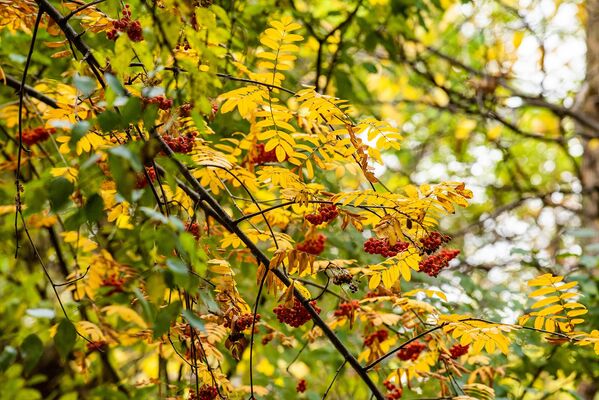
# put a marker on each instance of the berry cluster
(326, 213)
(382, 247)
(433, 241)
(301, 386)
(206, 392)
(313, 245)
(347, 309)
(260, 155)
(394, 392)
(244, 321)
(193, 228)
(36, 135)
(411, 351)
(379, 336)
(434, 264)
(99, 345)
(180, 144)
(294, 316)
(125, 24)
(115, 283)
(457, 350)
(185, 110)
(342, 278)
(142, 182)
(162, 102)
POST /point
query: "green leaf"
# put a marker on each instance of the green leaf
(65, 338)
(177, 266)
(114, 84)
(193, 320)
(7, 357)
(32, 349)
(164, 318)
(84, 84)
(59, 191)
(94, 208)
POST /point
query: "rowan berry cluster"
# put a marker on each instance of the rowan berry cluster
(180, 144)
(115, 283)
(433, 241)
(326, 213)
(294, 316)
(346, 309)
(411, 351)
(206, 392)
(142, 182)
(382, 247)
(162, 102)
(260, 155)
(313, 245)
(380, 336)
(125, 24)
(394, 391)
(36, 135)
(342, 277)
(193, 228)
(301, 386)
(432, 265)
(456, 350)
(244, 321)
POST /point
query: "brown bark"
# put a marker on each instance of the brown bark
(590, 106)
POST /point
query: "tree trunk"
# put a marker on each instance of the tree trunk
(590, 106)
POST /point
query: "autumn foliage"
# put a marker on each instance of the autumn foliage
(194, 220)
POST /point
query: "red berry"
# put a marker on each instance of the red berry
(261, 156)
(294, 316)
(432, 265)
(411, 351)
(378, 336)
(347, 309)
(36, 135)
(194, 229)
(394, 392)
(313, 246)
(382, 247)
(456, 350)
(301, 386)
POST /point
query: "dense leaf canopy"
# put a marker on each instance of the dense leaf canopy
(298, 199)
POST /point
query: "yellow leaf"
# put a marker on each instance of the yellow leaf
(546, 301)
(375, 281)
(542, 291)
